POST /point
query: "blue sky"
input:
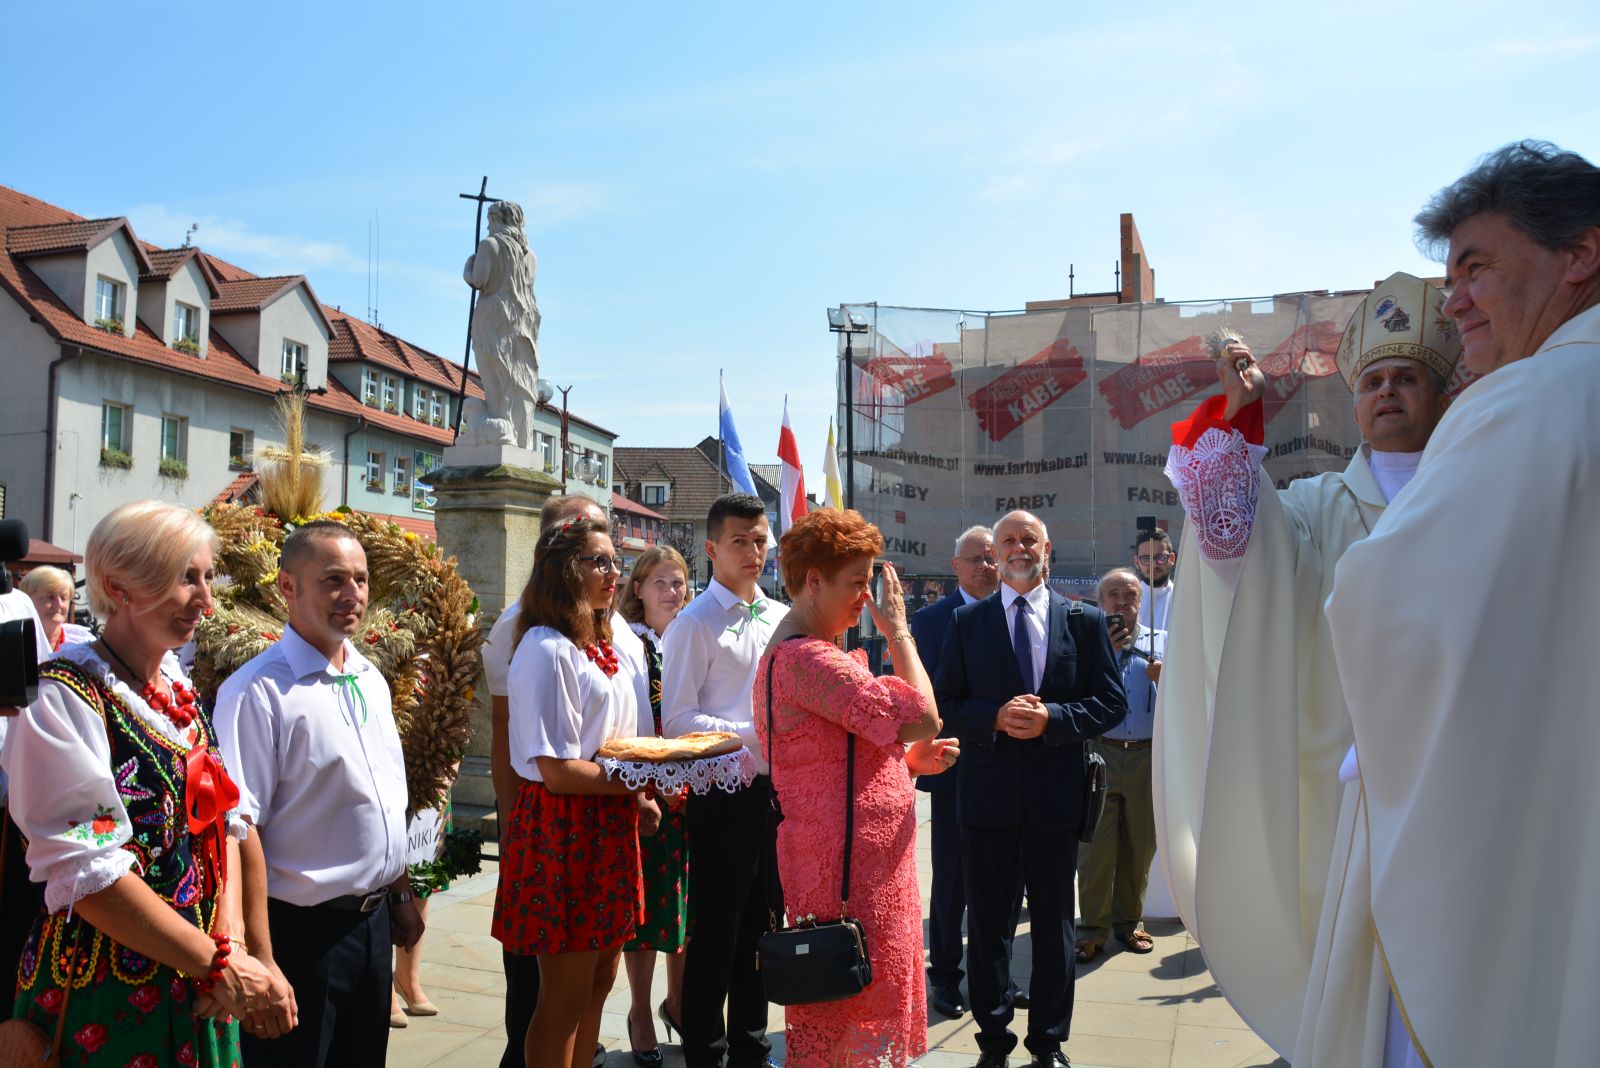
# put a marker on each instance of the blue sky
(704, 180)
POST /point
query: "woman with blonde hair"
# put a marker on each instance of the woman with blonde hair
(51, 589)
(131, 822)
(827, 720)
(649, 600)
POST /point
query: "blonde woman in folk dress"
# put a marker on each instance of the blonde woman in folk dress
(649, 600)
(570, 891)
(118, 786)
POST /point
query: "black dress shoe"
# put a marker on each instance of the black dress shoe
(992, 1060)
(947, 1002)
(1019, 1000)
(1051, 1060)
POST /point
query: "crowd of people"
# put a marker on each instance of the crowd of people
(1315, 718)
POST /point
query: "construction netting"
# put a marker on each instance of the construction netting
(960, 417)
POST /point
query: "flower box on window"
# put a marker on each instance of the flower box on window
(238, 463)
(109, 323)
(187, 344)
(389, 406)
(172, 467)
(375, 485)
(115, 458)
(402, 489)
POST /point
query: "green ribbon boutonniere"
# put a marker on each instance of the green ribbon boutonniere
(755, 610)
(349, 684)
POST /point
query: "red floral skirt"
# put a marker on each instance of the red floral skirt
(569, 873)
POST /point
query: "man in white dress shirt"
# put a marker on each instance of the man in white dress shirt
(1154, 558)
(522, 973)
(308, 732)
(708, 670)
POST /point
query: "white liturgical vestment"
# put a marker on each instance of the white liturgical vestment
(1250, 724)
(1473, 706)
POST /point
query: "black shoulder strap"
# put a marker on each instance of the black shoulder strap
(849, 787)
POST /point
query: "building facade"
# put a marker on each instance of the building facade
(136, 372)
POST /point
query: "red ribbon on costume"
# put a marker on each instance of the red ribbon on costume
(208, 796)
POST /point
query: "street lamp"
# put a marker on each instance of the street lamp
(586, 468)
(848, 323)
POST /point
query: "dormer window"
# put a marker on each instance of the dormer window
(391, 394)
(294, 359)
(436, 408)
(369, 387)
(419, 403)
(185, 327)
(108, 303)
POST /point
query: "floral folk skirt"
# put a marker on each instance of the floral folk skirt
(126, 1011)
(569, 873)
(664, 856)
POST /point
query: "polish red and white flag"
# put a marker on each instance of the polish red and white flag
(792, 485)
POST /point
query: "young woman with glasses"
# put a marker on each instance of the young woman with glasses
(570, 891)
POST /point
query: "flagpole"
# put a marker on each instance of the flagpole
(722, 449)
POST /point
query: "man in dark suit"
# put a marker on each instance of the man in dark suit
(977, 575)
(1024, 680)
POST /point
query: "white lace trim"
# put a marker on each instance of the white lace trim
(74, 879)
(1219, 483)
(85, 656)
(237, 827)
(730, 772)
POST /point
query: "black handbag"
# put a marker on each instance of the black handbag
(815, 960)
(1094, 765)
(1094, 795)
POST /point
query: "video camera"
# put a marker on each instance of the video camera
(19, 643)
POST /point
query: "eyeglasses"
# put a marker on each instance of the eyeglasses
(606, 564)
(980, 561)
(1158, 558)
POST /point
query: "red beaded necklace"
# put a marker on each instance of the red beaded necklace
(604, 657)
(180, 708)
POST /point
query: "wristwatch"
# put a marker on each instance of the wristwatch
(400, 897)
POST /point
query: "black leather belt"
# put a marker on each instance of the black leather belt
(358, 902)
(1119, 743)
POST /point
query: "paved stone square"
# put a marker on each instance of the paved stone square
(1151, 1011)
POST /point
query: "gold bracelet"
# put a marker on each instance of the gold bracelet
(904, 636)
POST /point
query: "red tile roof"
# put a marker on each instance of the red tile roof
(42, 552)
(619, 503)
(242, 290)
(164, 263)
(238, 489)
(252, 294)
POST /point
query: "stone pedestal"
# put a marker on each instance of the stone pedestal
(487, 517)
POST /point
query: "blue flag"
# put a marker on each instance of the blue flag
(732, 451)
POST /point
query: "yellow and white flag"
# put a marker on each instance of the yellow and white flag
(833, 489)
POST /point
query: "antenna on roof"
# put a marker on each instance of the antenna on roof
(190, 233)
(374, 267)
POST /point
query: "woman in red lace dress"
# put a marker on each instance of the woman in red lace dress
(821, 697)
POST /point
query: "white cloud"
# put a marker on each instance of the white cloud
(235, 241)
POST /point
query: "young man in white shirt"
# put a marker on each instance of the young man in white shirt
(708, 670)
(308, 733)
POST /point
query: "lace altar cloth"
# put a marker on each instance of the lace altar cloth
(730, 772)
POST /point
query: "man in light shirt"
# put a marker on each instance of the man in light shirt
(1114, 870)
(308, 733)
(708, 670)
(522, 973)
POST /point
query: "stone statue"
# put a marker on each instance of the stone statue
(505, 333)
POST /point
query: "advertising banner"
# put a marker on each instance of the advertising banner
(960, 417)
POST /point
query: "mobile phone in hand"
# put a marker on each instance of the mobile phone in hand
(1113, 621)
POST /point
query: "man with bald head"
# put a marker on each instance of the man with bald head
(1025, 677)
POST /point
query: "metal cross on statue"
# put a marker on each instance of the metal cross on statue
(482, 197)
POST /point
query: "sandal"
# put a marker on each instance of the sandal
(1137, 942)
(1086, 950)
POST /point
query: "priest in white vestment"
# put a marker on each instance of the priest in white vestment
(1251, 726)
(1472, 693)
